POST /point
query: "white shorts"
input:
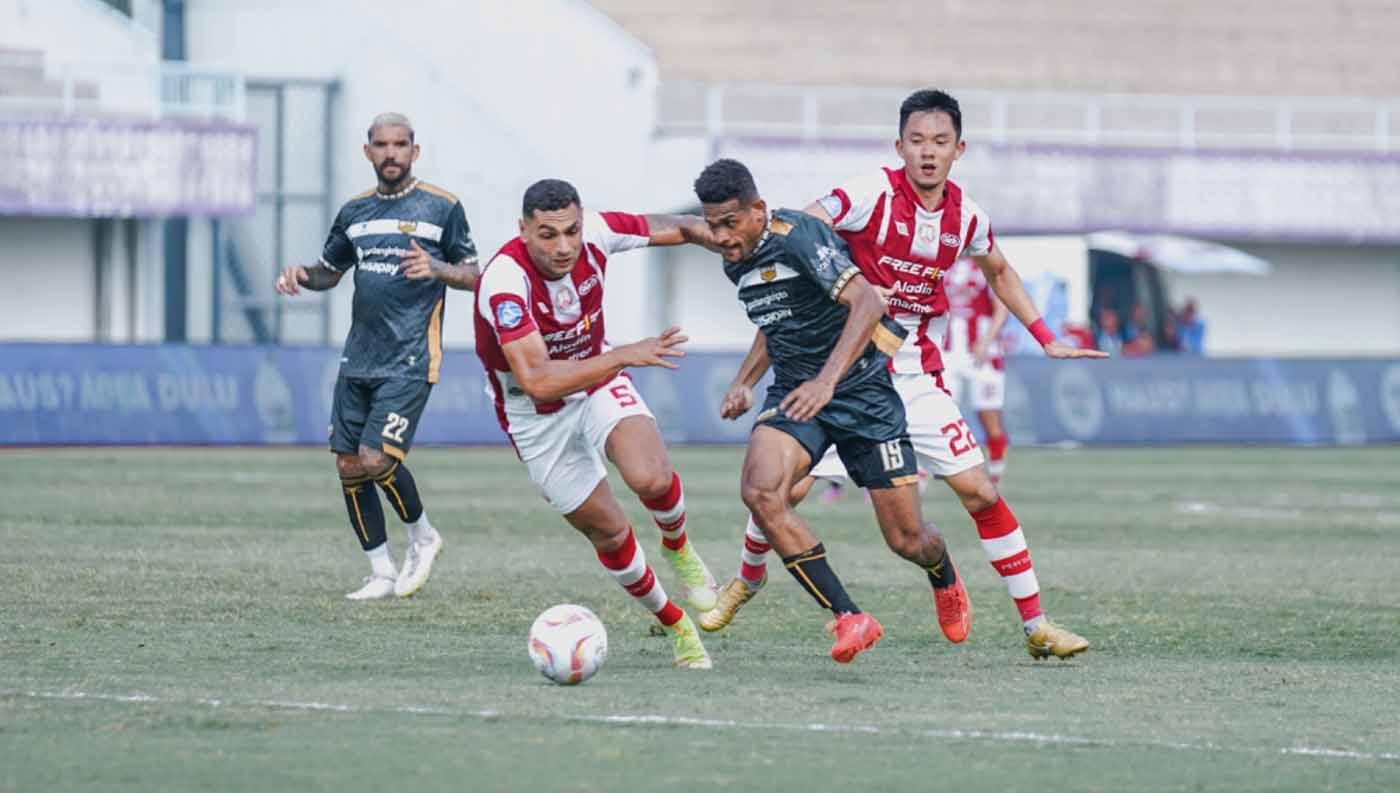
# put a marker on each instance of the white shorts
(564, 450)
(983, 386)
(942, 440)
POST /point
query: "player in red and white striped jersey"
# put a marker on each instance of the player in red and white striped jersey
(972, 362)
(905, 228)
(564, 400)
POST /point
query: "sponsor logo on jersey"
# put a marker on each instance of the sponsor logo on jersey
(910, 268)
(950, 240)
(588, 284)
(509, 314)
(764, 320)
(926, 233)
(766, 301)
(382, 268)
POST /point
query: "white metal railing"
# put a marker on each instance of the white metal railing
(826, 113)
(147, 90)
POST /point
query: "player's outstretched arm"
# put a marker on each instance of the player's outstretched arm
(546, 380)
(419, 265)
(1006, 285)
(679, 230)
(866, 309)
(739, 398)
(317, 278)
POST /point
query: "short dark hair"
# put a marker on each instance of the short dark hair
(927, 101)
(723, 180)
(547, 195)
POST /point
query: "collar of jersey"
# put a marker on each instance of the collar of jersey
(903, 185)
(767, 232)
(413, 185)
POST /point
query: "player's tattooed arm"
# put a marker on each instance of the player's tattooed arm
(866, 309)
(419, 265)
(317, 278)
(546, 380)
(679, 230)
(1006, 285)
(739, 398)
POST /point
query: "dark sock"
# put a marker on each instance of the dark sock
(942, 574)
(366, 513)
(816, 576)
(402, 492)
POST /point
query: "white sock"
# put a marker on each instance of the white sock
(1033, 623)
(381, 564)
(421, 530)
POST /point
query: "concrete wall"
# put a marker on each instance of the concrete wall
(500, 94)
(1320, 300)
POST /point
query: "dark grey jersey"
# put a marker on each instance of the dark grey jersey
(789, 285)
(396, 325)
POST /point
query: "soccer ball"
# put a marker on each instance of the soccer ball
(568, 644)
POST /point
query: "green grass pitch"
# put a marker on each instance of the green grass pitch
(173, 620)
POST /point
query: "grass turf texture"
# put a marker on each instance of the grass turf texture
(173, 620)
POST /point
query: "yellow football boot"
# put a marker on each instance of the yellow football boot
(697, 585)
(1050, 639)
(690, 652)
(734, 594)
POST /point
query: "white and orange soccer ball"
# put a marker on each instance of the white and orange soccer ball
(568, 644)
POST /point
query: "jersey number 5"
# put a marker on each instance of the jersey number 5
(623, 394)
(960, 439)
(394, 425)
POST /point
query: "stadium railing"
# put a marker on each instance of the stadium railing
(836, 112)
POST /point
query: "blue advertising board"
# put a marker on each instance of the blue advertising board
(108, 394)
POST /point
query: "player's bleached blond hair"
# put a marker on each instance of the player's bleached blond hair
(390, 120)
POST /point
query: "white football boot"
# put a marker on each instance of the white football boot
(375, 588)
(417, 565)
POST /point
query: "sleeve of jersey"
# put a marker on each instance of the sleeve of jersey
(851, 204)
(615, 232)
(979, 235)
(504, 300)
(820, 255)
(338, 253)
(457, 243)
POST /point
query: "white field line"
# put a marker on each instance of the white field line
(628, 720)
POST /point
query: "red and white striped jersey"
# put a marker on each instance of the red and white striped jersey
(514, 300)
(899, 244)
(970, 309)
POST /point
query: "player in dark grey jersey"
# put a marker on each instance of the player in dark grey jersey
(407, 241)
(829, 340)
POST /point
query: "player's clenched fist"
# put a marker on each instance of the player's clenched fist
(291, 279)
(736, 402)
(656, 350)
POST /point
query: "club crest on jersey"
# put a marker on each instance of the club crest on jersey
(564, 300)
(408, 226)
(950, 240)
(768, 274)
(509, 314)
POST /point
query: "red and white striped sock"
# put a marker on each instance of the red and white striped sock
(669, 513)
(753, 559)
(996, 456)
(628, 565)
(1005, 547)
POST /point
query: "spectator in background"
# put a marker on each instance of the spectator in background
(1137, 333)
(1171, 337)
(1109, 339)
(1192, 329)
